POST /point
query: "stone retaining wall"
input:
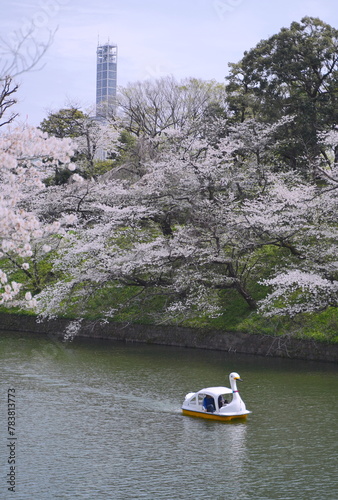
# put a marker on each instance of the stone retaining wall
(235, 342)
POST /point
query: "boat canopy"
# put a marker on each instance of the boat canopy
(215, 391)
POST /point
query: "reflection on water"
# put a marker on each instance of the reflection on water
(102, 420)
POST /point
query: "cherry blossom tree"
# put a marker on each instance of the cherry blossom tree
(173, 232)
(298, 217)
(26, 157)
(201, 219)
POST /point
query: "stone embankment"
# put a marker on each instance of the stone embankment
(235, 342)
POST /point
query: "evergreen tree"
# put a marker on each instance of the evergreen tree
(293, 73)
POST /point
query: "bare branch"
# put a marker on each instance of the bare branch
(22, 52)
(7, 100)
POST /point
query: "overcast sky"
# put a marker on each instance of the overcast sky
(155, 38)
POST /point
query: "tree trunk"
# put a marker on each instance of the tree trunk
(240, 288)
(246, 295)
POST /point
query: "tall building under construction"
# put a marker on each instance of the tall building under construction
(106, 79)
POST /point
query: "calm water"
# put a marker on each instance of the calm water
(102, 420)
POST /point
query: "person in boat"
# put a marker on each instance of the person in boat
(222, 401)
(209, 403)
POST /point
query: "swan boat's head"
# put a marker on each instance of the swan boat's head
(234, 376)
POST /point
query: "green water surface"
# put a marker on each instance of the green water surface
(102, 420)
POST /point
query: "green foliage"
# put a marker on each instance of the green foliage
(37, 277)
(101, 167)
(317, 326)
(61, 176)
(128, 153)
(293, 73)
(65, 123)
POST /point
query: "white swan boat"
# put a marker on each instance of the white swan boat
(216, 403)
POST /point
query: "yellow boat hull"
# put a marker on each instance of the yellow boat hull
(213, 416)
